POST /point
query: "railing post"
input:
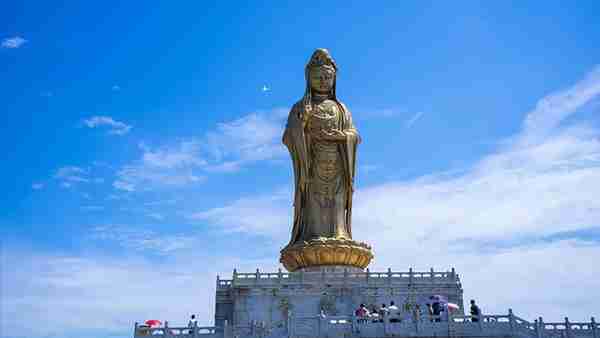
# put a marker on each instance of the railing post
(594, 328)
(410, 276)
(135, 329)
(167, 332)
(226, 329)
(541, 328)
(195, 328)
(568, 327)
(234, 277)
(345, 276)
(279, 275)
(511, 322)
(389, 275)
(431, 275)
(290, 324)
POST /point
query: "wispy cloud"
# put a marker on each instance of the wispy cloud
(156, 216)
(98, 296)
(143, 239)
(227, 148)
(173, 165)
(413, 119)
(115, 127)
(71, 175)
(254, 137)
(37, 186)
(115, 88)
(92, 208)
(13, 43)
(263, 214)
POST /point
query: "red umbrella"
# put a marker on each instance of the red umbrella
(153, 322)
(453, 306)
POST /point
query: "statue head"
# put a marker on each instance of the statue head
(320, 74)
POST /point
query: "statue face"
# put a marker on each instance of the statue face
(321, 79)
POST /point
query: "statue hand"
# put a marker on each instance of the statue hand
(334, 135)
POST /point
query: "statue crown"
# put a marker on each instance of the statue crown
(321, 58)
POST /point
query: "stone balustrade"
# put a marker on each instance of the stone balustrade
(500, 326)
(369, 278)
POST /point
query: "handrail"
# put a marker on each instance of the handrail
(371, 277)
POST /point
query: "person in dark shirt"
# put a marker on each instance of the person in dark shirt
(437, 309)
(475, 311)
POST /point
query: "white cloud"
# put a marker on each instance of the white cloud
(254, 215)
(229, 147)
(116, 127)
(166, 166)
(13, 43)
(100, 296)
(556, 107)
(254, 137)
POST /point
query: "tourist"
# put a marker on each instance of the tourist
(475, 311)
(437, 310)
(417, 313)
(383, 312)
(192, 323)
(373, 315)
(393, 312)
(362, 313)
(430, 312)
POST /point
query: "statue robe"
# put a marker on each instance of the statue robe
(298, 142)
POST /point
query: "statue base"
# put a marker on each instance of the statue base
(326, 252)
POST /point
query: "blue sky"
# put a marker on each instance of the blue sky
(140, 142)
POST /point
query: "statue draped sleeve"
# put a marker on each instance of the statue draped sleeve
(295, 140)
(348, 150)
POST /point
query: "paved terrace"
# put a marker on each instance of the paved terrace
(347, 277)
(491, 326)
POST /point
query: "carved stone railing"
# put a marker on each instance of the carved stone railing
(347, 277)
(490, 326)
(456, 326)
(167, 331)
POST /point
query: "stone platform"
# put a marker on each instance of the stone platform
(281, 304)
(268, 297)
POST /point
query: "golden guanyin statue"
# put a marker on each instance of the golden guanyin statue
(322, 141)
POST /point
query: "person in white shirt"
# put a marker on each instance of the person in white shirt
(393, 312)
(192, 323)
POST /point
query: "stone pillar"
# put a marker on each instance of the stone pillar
(540, 328)
(167, 330)
(594, 328)
(567, 327)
